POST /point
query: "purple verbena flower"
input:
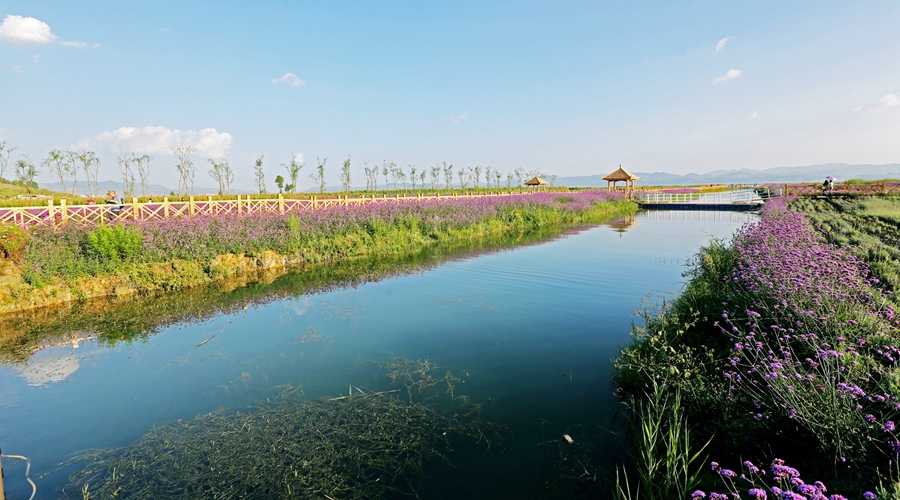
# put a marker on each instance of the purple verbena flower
(757, 493)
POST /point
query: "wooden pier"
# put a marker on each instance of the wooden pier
(737, 200)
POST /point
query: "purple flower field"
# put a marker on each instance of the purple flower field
(783, 260)
(813, 341)
(233, 233)
(63, 252)
(782, 344)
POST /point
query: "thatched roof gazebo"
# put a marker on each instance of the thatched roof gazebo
(535, 181)
(620, 174)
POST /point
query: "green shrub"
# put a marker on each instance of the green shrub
(13, 240)
(112, 244)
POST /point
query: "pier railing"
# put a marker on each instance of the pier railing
(742, 196)
(60, 214)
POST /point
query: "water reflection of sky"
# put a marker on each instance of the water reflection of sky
(535, 327)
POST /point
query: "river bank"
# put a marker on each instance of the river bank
(74, 264)
(525, 325)
(782, 349)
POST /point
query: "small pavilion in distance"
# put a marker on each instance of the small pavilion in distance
(535, 182)
(620, 174)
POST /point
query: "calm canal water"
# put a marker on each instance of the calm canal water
(531, 331)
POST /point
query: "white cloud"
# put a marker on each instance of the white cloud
(890, 100)
(162, 140)
(754, 115)
(74, 44)
(17, 69)
(722, 43)
(30, 30)
(22, 29)
(460, 117)
(887, 101)
(289, 79)
(731, 74)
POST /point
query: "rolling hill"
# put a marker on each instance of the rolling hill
(807, 173)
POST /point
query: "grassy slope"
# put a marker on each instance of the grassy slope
(15, 195)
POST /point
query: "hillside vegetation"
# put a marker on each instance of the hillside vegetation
(20, 194)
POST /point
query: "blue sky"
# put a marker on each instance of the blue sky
(570, 88)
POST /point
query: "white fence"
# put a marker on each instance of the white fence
(736, 197)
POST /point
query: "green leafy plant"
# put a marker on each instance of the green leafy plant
(112, 244)
(13, 241)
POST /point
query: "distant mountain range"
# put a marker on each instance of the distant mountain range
(840, 171)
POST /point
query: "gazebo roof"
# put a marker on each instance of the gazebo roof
(620, 174)
(535, 181)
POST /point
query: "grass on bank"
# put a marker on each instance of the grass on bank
(867, 227)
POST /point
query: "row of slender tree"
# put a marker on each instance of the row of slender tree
(24, 170)
(135, 171)
(442, 175)
(62, 164)
(394, 176)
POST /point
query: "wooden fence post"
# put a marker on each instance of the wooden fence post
(2, 494)
(281, 203)
(135, 209)
(239, 204)
(64, 212)
(166, 207)
(51, 216)
(192, 208)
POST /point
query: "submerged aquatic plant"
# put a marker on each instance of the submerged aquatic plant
(361, 445)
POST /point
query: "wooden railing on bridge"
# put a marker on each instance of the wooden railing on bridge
(741, 196)
(93, 214)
